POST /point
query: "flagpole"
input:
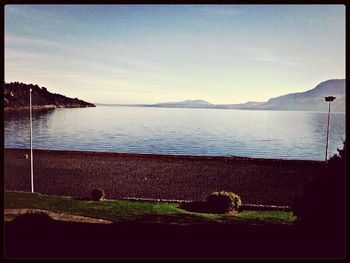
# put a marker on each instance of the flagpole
(31, 140)
(329, 111)
(329, 99)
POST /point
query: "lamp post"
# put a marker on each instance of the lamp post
(329, 99)
(31, 140)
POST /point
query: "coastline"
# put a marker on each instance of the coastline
(131, 175)
(171, 156)
(44, 107)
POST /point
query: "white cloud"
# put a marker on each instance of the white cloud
(274, 59)
(27, 41)
(223, 10)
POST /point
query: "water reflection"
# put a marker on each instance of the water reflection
(23, 114)
(269, 134)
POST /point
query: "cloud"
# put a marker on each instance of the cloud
(94, 54)
(223, 10)
(329, 19)
(274, 59)
(27, 41)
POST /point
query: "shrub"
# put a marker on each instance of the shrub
(97, 194)
(33, 218)
(323, 200)
(223, 202)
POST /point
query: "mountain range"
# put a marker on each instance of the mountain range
(310, 100)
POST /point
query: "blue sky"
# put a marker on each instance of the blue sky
(158, 53)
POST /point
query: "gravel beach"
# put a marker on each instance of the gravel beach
(121, 175)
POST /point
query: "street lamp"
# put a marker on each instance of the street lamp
(31, 140)
(329, 99)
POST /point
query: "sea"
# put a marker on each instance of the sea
(293, 135)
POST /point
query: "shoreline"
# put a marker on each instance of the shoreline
(168, 156)
(44, 107)
(172, 177)
(50, 107)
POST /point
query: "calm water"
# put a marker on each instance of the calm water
(268, 134)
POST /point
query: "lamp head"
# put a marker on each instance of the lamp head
(329, 98)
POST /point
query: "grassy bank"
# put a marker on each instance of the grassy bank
(138, 211)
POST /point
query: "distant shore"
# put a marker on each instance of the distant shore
(124, 175)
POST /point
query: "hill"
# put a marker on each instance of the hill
(311, 100)
(16, 97)
(248, 105)
(184, 104)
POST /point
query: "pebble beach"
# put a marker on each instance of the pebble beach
(149, 176)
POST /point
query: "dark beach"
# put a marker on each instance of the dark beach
(120, 175)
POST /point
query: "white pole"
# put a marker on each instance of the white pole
(31, 140)
(329, 113)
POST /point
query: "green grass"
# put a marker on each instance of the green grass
(8, 218)
(138, 211)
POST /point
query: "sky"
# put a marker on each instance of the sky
(163, 53)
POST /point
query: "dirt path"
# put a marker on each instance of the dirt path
(56, 216)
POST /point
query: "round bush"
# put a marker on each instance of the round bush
(223, 202)
(97, 194)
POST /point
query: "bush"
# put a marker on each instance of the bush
(223, 202)
(32, 218)
(97, 194)
(323, 200)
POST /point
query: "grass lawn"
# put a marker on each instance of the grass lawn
(137, 211)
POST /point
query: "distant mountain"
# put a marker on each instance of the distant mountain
(311, 100)
(247, 105)
(16, 97)
(184, 104)
(204, 104)
(117, 104)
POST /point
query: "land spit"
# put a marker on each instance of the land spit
(121, 175)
